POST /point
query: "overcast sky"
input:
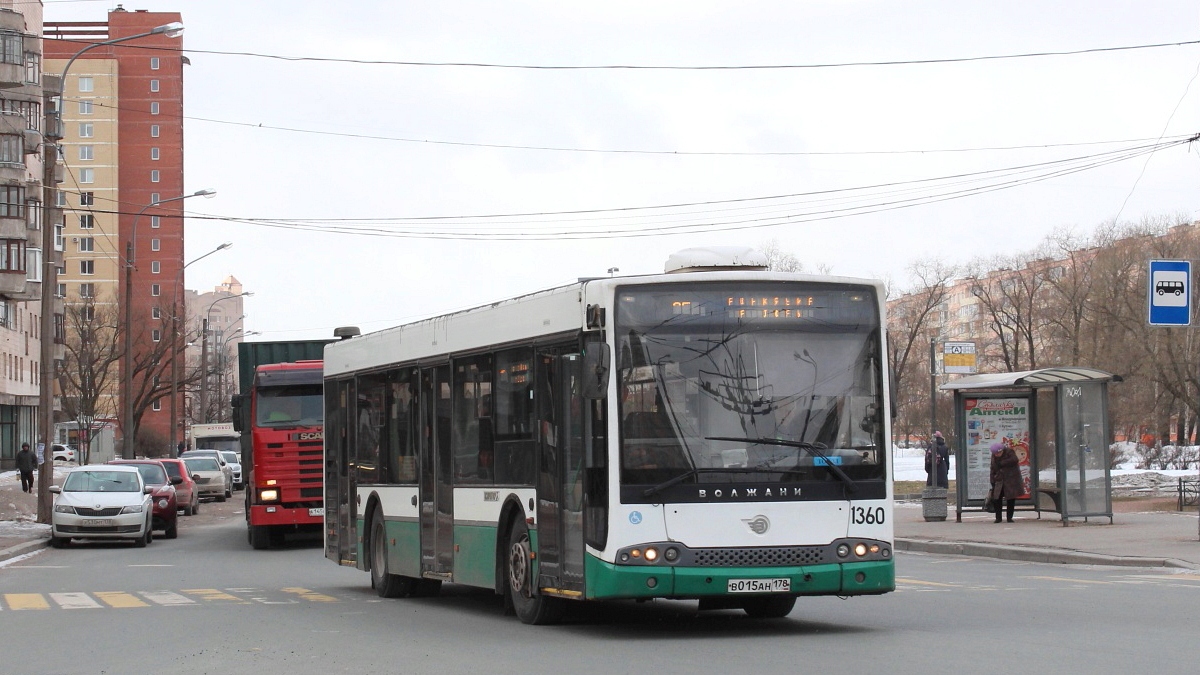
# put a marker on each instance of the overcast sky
(303, 151)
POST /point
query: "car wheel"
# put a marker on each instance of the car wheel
(59, 542)
(172, 532)
(530, 607)
(221, 498)
(141, 541)
(386, 584)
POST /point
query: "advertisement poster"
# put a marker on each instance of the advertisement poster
(990, 421)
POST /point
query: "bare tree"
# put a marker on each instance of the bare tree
(779, 260)
(88, 374)
(155, 344)
(909, 331)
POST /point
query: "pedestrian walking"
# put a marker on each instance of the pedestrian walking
(26, 461)
(1006, 478)
(937, 462)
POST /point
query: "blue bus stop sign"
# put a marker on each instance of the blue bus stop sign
(1170, 290)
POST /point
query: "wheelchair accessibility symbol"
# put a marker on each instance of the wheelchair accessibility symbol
(635, 517)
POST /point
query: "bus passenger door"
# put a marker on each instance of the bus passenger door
(436, 492)
(560, 473)
(340, 513)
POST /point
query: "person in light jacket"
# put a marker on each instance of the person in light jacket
(1006, 478)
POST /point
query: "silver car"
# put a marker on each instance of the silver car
(102, 502)
(211, 479)
(225, 467)
(234, 462)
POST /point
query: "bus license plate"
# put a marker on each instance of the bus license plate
(316, 512)
(783, 585)
(98, 522)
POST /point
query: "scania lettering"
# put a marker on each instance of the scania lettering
(718, 433)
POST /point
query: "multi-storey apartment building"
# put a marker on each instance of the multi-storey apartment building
(21, 222)
(122, 109)
(217, 322)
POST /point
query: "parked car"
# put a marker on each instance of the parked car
(187, 497)
(225, 468)
(211, 479)
(235, 465)
(166, 508)
(64, 453)
(102, 501)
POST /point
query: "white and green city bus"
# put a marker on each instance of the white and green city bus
(719, 432)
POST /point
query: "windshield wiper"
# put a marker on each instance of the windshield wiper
(814, 448)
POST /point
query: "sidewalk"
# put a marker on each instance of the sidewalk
(1140, 539)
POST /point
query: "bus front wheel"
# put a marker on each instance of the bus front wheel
(386, 584)
(770, 607)
(530, 606)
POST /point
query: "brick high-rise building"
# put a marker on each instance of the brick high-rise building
(123, 149)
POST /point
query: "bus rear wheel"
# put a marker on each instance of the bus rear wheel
(530, 607)
(386, 584)
(770, 607)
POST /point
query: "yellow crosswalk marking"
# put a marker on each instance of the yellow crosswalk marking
(26, 601)
(212, 595)
(119, 599)
(311, 596)
(1072, 581)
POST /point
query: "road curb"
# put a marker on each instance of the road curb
(1031, 554)
(23, 548)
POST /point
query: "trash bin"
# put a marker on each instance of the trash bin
(933, 504)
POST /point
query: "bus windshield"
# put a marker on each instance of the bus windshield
(290, 406)
(754, 382)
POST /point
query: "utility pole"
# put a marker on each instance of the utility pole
(204, 371)
(52, 88)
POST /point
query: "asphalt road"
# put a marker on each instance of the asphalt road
(207, 603)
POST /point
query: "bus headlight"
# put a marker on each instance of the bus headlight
(651, 554)
(268, 495)
(860, 549)
(843, 550)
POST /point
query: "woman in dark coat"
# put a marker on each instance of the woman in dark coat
(941, 454)
(1006, 478)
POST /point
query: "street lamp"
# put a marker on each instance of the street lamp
(175, 344)
(53, 128)
(129, 434)
(204, 353)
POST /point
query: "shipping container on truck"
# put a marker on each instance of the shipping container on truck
(279, 411)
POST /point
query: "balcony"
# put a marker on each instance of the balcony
(12, 283)
(12, 29)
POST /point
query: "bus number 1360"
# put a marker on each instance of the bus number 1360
(865, 515)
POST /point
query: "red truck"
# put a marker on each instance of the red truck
(280, 413)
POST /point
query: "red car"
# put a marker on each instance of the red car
(166, 508)
(186, 494)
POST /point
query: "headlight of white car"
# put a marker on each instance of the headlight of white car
(136, 508)
(62, 508)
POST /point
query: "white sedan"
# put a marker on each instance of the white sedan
(102, 502)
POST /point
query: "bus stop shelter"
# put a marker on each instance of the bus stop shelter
(1056, 419)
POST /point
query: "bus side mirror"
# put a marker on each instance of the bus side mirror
(596, 359)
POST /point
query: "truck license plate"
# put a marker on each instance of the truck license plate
(316, 512)
(783, 585)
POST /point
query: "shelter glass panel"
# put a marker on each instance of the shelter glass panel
(1085, 449)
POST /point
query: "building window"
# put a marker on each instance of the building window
(157, 405)
(155, 290)
(87, 198)
(12, 255)
(87, 266)
(154, 176)
(87, 221)
(154, 197)
(86, 130)
(58, 242)
(13, 45)
(85, 106)
(87, 152)
(154, 154)
(155, 267)
(33, 265)
(88, 312)
(87, 290)
(62, 288)
(87, 175)
(33, 67)
(155, 223)
(154, 107)
(60, 198)
(155, 335)
(153, 131)
(155, 313)
(153, 85)
(33, 214)
(12, 149)
(155, 244)
(87, 244)
(86, 84)
(12, 201)
(153, 63)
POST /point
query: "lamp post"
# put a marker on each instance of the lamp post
(204, 354)
(175, 347)
(53, 132)
(129, 434)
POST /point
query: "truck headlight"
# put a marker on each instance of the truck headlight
(268, 495)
